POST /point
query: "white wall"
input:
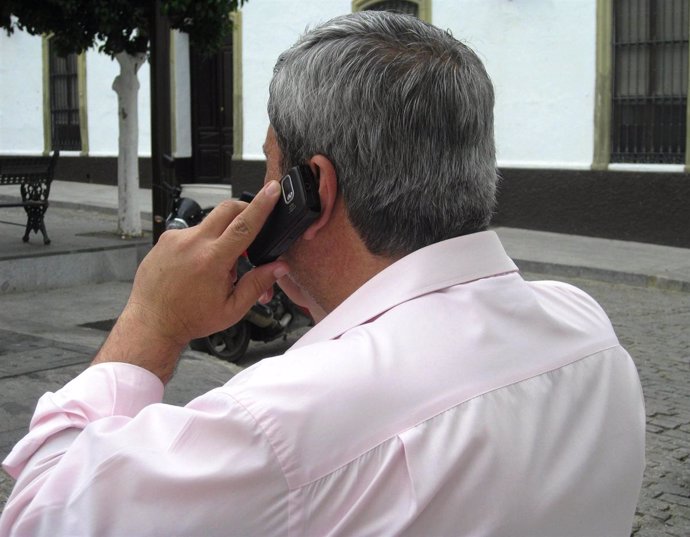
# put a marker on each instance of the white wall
(540, 55)
(268, 28)
(21, 99)
(101, 71)
(181, 91)
(21, 94)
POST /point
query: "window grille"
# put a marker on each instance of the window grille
(650, 82)
(397, 6)
(64, 101)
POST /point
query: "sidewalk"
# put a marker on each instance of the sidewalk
(82, 220)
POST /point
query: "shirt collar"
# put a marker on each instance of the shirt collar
(437, 266)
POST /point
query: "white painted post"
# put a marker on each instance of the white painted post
(126, 85)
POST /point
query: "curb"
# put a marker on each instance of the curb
(95, 208)
(71, 268)
(604, 275)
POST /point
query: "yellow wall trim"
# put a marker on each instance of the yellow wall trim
(604, 86)
(83, 115)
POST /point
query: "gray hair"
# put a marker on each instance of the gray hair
(404, 111)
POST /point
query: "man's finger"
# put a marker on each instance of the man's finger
(244, 228)
(251, 286)
(219, 218)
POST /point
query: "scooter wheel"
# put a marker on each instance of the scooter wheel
(229, 344)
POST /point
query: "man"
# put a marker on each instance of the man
(439, 394)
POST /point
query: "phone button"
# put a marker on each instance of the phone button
(288, 189)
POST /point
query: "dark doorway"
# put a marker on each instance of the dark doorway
(212, 142)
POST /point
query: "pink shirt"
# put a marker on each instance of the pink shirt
(447, 396)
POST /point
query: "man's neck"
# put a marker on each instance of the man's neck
(335, 264)
(354, 269)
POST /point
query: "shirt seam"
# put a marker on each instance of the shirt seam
(265, 434)
(464, 401)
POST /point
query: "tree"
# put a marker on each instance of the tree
(121, 29)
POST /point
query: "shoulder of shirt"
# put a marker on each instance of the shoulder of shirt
(574, 296)
(335, 395)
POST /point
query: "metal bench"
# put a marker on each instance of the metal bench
(33, 175)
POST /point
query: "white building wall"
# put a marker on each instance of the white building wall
(268, 28)
(181, 94)
(21, 94)
(21, 99)
(101, 71)
(540, 55)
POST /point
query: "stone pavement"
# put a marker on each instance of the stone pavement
(84, 276)
(42, 346)
(85, 248)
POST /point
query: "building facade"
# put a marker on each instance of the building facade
(591, 109)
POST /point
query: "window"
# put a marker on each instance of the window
(650, 81)
(398, 6)
(63, 86)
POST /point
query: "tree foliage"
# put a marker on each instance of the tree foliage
(114, 26)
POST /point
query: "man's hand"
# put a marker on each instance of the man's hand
(186, 286)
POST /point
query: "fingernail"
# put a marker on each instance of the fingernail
(272, 189)
(280, 272)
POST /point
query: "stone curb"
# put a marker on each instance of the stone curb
(97, 208)
(605, 275)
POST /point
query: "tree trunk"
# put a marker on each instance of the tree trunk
(126, 85)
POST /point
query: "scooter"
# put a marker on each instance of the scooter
(263, 322)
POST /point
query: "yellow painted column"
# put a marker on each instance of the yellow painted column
(604, 86)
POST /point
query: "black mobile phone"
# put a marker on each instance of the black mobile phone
(299, 205)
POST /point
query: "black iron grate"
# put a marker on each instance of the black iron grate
(64, 101)
(397, 6)
(650, 86)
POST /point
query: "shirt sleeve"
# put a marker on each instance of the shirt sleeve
(104, 457)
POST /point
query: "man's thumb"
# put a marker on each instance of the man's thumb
(251, 286)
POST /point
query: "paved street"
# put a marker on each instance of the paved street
(42, 346)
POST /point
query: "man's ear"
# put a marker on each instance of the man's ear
(328, 189)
